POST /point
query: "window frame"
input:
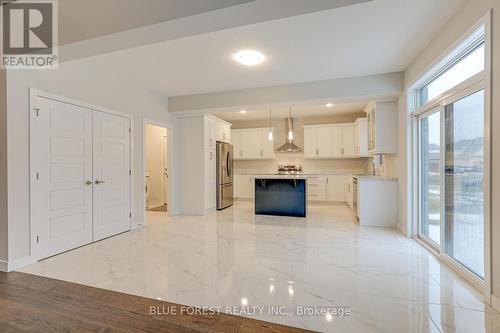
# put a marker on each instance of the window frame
(483, 79)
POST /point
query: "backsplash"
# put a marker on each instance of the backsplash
(354, 165)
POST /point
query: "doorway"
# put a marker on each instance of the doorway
(157, 154)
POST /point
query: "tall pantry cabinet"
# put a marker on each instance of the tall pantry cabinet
(198, 136)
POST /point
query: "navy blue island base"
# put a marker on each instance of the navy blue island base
(281, 196)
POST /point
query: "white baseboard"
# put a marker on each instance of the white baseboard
(137, 225)
(495, 303)
(19, 263)
(4, 266)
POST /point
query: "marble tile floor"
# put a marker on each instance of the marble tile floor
(250, 265)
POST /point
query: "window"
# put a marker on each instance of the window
(465, 61)
(468, 66)
(451, 146)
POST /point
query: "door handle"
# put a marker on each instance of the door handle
(97, 182)
(88, 182)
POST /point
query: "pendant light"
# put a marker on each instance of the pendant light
(290, 131)
(270, 135)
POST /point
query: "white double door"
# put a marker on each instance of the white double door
(80, 186)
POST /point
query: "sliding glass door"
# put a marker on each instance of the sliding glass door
(464, 174)
(430, 176)
(451, 173)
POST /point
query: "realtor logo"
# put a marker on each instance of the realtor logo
(29, 34)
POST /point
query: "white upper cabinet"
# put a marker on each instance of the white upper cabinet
(209, 131)
(325, 137)
(252, 144)
(329, 141)
(361, 138)
(382, 123)
(348, 133)
(310, 142)
(223, 131)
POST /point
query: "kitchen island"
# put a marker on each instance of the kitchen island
(281, 195)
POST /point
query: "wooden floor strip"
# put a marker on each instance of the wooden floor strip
(30, 303)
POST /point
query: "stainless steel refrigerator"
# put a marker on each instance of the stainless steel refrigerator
(224, 175)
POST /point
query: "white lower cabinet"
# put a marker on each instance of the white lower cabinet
(210, 180)
(244, 186)
(378, 202)
(349, 194)
(328, 188)
(317, 188)
(335, 188)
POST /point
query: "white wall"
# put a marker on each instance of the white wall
(77, 80)
(379, 86)
(270, 166)
(154, 141)
(3, 171)
(466, 17)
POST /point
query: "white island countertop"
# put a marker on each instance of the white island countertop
(281, 176)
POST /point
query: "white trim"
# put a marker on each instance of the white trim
(456, 90)
(171, 168)
(33, 93)
(482, 80)
(488, 85)
(4, 266)
(463, 272)
(495, 303)
(424, 74)
(19, 263)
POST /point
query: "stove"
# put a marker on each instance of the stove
(289, 169)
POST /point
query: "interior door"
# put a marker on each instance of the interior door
(61, 186)
(112, 213)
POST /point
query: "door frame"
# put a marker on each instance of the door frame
(33, 94)
(170, 132)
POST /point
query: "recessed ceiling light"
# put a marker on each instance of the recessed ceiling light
(329, 105)
(243, 111)
(249, 57)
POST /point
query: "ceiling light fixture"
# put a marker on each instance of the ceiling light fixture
(243, 111)
(249, 57)
(329, 105)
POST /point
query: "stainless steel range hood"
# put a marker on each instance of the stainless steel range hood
(289, 146)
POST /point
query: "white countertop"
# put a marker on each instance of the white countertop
(281, 176)
(309, 175)
(370, 177)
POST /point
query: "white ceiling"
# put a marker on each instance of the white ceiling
(375, 37)
(81, 20)
(312, 109)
